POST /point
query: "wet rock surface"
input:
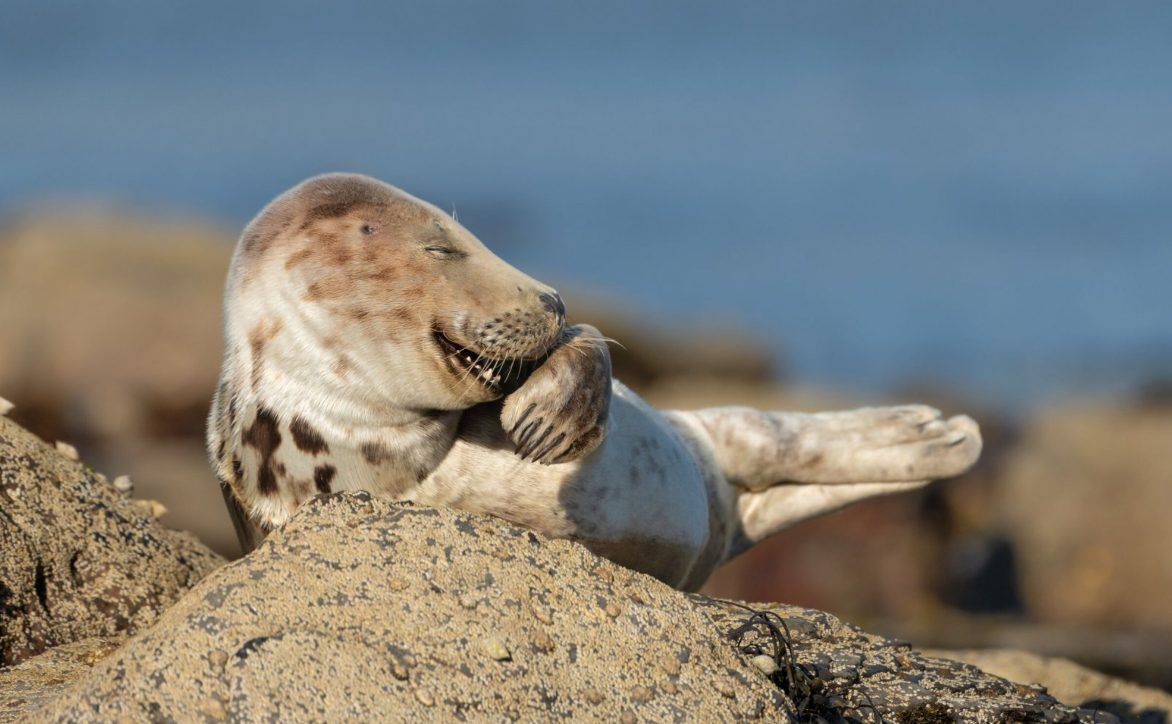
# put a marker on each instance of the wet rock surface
(77, 558)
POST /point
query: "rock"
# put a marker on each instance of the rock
(497, 649)
(112, 339)
(1071, 683)
(78, 559)
(310, 615)
(38, 681)
(833, 669)
(358, 607)
(1088, 495)
(67, 450)
(111, 322)
(765, 663)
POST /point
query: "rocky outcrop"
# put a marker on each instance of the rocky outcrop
(1072, 683)
(362, 608)
(77, 558)
(1088, 496)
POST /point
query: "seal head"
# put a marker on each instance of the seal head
(396, 283)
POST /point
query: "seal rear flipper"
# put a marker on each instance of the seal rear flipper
(248, 532)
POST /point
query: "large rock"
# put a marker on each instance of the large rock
(366, 609)
(1089, 494)
(1072, 683)
(77, 558)
(111, 338)
(111, 323)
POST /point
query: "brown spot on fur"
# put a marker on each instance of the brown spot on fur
(306, 438)
(297, 257)
(260, 235)
(300, 489)
(813, 461)
(237, 471)
(342, 366)
(260, 335)
(339, 254)
(330, 211)
(323, 475)
(400, 314)
(232, 413)
(330, 287)
(265, 436)
(374, 453)
(382, 274)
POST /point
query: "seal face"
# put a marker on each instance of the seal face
(373, 343)
(395, 285)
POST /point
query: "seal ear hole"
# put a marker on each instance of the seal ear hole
(368, 229)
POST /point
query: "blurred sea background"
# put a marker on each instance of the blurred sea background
(980, 194)
(969, 204)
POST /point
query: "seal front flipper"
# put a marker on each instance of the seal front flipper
(559, 413)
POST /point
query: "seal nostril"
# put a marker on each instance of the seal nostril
(553, 303)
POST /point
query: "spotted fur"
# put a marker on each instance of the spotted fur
(372, 343)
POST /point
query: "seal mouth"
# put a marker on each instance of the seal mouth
(498, 375)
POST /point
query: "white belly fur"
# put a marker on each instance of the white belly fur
(641, 493)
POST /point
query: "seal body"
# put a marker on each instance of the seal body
(373, 343)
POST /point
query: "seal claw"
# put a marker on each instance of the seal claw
(542, 455)
(568, 394)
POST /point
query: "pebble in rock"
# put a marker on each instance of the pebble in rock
(497, 649)
(765, 663)
(67, 450)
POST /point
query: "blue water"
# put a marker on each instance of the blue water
(978, 194)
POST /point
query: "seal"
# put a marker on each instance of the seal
(373, 343)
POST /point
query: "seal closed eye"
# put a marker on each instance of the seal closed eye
(373, 343)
